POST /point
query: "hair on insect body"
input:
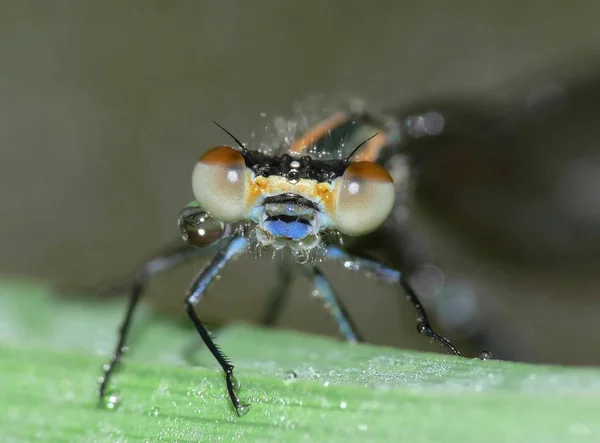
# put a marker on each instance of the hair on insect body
(302, 196)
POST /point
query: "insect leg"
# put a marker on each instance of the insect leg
(278, 294)
(234, 247)
(172, 256)
(356, 263)
(340, 314)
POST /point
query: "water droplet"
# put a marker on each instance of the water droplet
(243, 409)
(112, 401)
(423, 329)
(154, 412)
(301, 256)
(291, 375)
(363, 427)
(311, 373)
(235, 382)
(352, 266)
(343, 405)
(485, 355)
(198, 227)
(326, 384)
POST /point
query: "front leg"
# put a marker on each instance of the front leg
(168, 259)
(356, 263)
(234, 247)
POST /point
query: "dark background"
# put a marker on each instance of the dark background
(105, 107)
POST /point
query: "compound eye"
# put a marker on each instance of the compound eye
(365, 198)
(220, 184)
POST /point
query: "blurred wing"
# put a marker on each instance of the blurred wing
(518, 183)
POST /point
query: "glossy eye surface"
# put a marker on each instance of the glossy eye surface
(364, 198)
(220, 184)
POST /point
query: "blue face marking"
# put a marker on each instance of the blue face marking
(295, 230)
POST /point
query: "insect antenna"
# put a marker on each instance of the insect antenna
(347, 159)
(241, 145)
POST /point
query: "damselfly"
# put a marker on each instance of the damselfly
(304, 191)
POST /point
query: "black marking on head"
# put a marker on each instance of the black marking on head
(288, 218)
(291, 198)
(310, 169)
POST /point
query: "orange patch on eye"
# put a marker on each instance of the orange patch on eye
(369, 171)
(222, 155)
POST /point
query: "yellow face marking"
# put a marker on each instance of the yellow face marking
(319, 192)
(327, 196)
(275, 185)
(257, 186)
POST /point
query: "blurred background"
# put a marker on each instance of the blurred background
(105, 107)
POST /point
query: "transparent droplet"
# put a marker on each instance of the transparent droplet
(485, 355)
(301, 256)
(154, 412)
(112, 401)
(235, 383)
(352, 266)
(423, 329)
(198, 228)
(343, 405)
(243, 409)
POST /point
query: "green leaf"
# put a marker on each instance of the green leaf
(302, 388)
